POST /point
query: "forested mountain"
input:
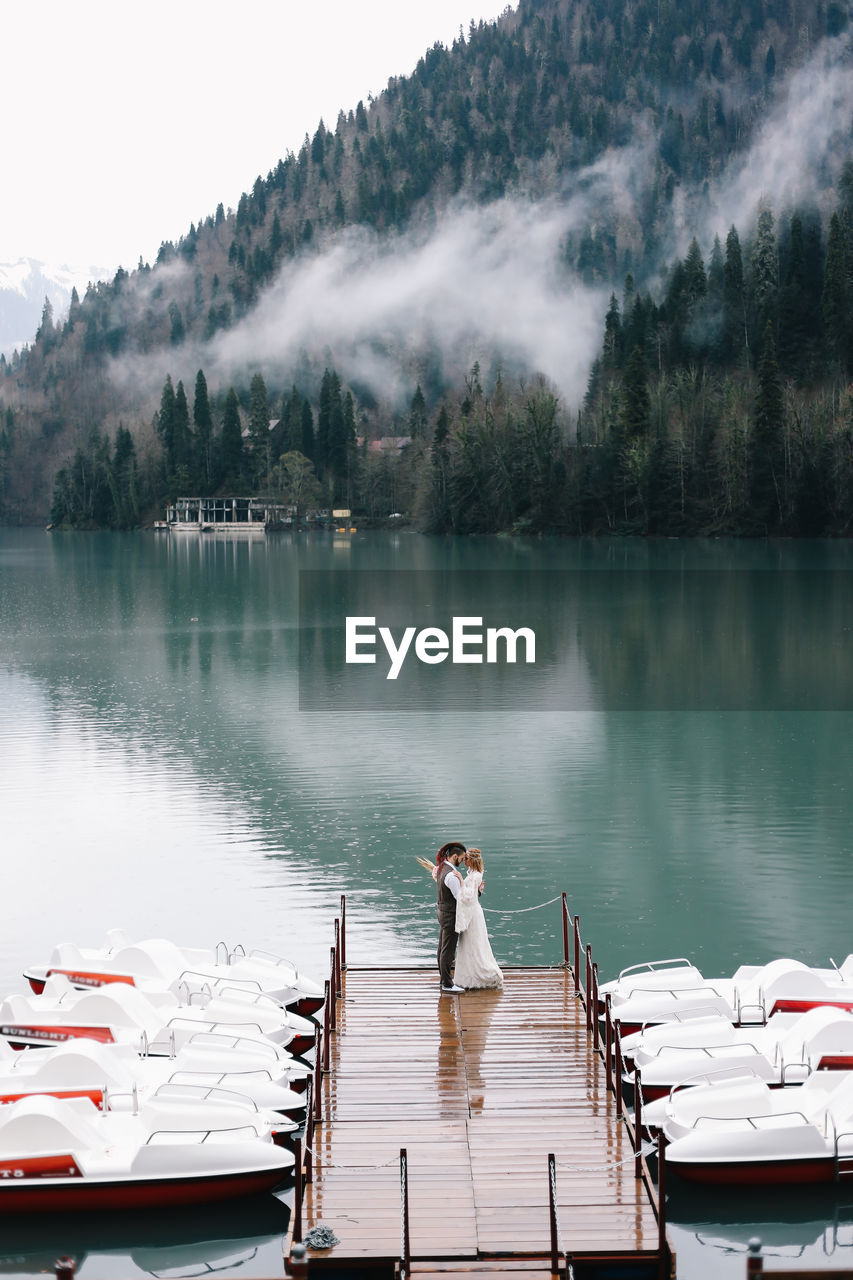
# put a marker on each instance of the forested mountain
(438, 266)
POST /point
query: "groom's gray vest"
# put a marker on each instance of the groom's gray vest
(446, 900)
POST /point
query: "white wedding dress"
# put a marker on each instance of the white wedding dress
(475, 964)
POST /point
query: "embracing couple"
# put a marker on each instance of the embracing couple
(461, 921)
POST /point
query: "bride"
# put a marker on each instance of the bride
(475, 964)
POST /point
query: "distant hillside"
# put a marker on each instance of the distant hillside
(477, 214)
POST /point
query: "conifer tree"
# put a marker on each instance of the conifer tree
(836, 299)
(764, 275)
(766, 456)
(259, 421)
(735, 343)
(309, 444)
(324, 422)
(166, 425)
(203, 423)
(635, 405)
(417, 414)
(231, 447)
(183, 439)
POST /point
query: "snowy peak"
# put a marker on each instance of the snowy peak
(25, 284)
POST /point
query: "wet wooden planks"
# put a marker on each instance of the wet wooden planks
(478, 1088)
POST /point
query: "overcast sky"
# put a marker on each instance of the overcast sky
(125, 121)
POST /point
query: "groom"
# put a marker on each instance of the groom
(447, 890)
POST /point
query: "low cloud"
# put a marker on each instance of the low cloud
(492, 282)
(798, 151)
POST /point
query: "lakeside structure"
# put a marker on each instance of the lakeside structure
(228, 515)
(480, 1134)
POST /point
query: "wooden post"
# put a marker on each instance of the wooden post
(662, 1245)
(297, 1192)
(565, 909)
(552, 1214)
(608, 1041)
(65, 1268)
(617, 1065)
(333, 1013)
(343, 931)
(309, 1129)
(337, 974)
(596, 1035)
(754, 1262)
(318, 1084)
(588, 987)
(577, 932)
(638, 1124)
(404, 1196)
(326, 1024)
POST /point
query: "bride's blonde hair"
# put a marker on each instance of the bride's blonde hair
(475, 860)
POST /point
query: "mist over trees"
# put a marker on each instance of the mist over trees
(719, 398)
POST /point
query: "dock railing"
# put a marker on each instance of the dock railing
(608, 1043)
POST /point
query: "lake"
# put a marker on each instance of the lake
(185, 752)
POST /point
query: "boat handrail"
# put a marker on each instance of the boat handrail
(187, 974)
(108, 1096)
(147, 1046)
(202, 1091)
(258, 953)
(247, 1071)
(784, 1067)
(837, 1136)
(239, 950)
(677, 993)
(249, 984)
(189, 993)
(215, 1026)
(760, 1004)
(754, 1121)
(185, 1134)
(224, 946)
(233, 1041)
(652, 966)
(256, 997)
(709, 1051)
(681, 1015)
(708, 1077)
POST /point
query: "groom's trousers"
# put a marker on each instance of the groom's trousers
(447, 939)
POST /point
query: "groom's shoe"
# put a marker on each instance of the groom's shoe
(453, 989)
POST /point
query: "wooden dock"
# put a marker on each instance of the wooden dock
(478, 1089)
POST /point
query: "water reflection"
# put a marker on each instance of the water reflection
(197, 1242)
(711, 1230)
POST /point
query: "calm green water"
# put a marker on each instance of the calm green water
(678, 761)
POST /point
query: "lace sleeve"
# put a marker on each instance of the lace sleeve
(467, 900)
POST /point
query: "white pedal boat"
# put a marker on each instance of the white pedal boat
(64, 1155)
(748, 998)
(783, 1052)
(117, 1013)
(747, 1133)
(100, 1072)
(160, 962)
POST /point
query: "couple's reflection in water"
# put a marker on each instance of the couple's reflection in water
(461, 1076)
